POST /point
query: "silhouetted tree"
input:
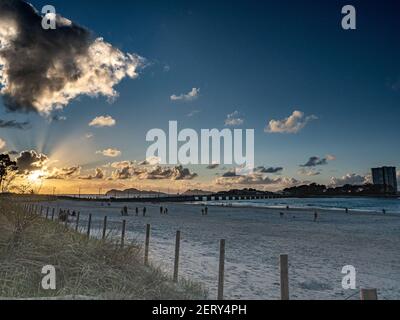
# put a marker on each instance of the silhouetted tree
(7, 166)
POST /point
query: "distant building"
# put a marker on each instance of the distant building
(385, 177)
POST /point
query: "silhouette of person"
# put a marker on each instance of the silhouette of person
(161, 210)
(206, 211)
(137, 211)
(144, 211)
(202, 212)
(384, 211)
(315, 216)
(166, 211)
(125, 211)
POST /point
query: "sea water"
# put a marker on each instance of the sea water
(391, 205)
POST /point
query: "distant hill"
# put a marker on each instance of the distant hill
(250, 192)
(132, 192)
(197, 192)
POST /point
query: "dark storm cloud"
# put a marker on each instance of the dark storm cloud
(41, 69)
(30, 161)
(34, 52)
(315, 161)
(269, 169)
(212, 166)
(12, 124)
(229, 174)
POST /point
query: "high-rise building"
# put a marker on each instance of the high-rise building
(385, 177)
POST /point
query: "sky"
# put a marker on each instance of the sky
(323, 101)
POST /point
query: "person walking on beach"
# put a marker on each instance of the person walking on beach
(347, 210)
(166, 211)
(384, 211)
(315, 216)
(202, 212)
(161, 210)
(144, 211)
(206, 211)
(137, 211)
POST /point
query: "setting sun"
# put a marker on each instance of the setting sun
(36, 176)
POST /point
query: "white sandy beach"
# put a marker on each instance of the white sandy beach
(255, 237)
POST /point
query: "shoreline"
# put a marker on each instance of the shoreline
(296, 209)
(256, 204)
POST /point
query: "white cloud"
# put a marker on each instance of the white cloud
(89, 135)
(234, 119)
(350, 178)
(63, 173)
(230, 179)
(309, 172)
(2, 143)
(112, 153)
(129, 170)
(193, 113)
(292, 124)
(103, 121)
(330, 157)
(98, 175)
(151, 161)
(192, 95)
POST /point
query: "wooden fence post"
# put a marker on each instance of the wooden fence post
(123, 234)
(77, 221)
(66, 220)
(369, 294)
(284, 271)
(177, 249)
(147, 245)
(52, 214)
(89, 225)
(221, 272)
(104, 227)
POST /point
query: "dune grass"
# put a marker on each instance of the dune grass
(85, 268)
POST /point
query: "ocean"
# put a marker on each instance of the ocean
(391, 205)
